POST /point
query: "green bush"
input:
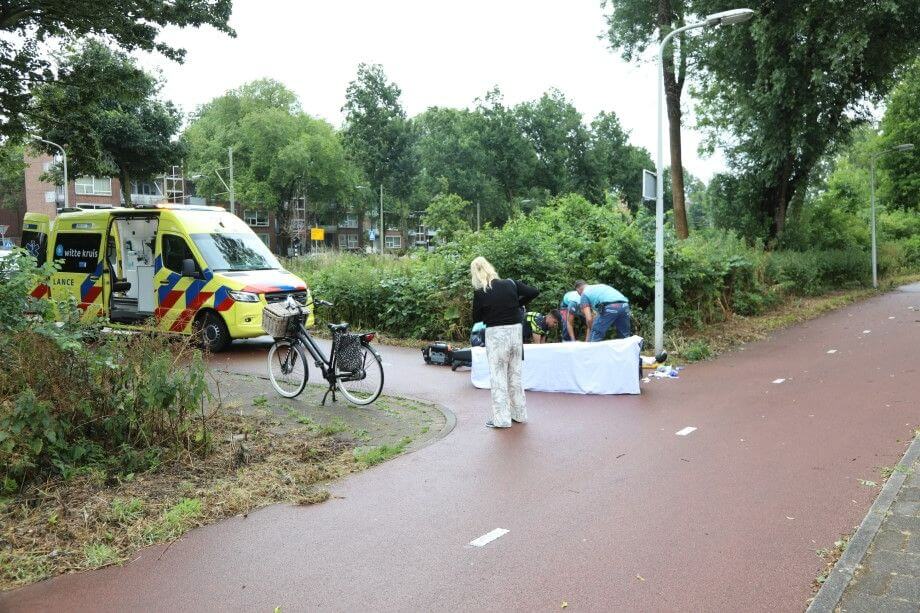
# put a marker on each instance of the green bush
(709, 277)
(71, 396)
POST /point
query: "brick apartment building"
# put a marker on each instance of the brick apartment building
(95, 192)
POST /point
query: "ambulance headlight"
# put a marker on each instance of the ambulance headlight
(244, 296)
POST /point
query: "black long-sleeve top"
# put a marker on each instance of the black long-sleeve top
(501, 304)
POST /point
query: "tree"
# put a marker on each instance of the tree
(377, 135)
(116, 126)
(513, 159)
(555, 129)
(128, 24)
(279, 152)
(450, 146)
(901, 124)
(12, 175)
(634, 26)
(618, 162)
(449, 214)
(781, 92)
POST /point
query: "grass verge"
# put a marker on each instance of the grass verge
(97, 519)
(713, 339)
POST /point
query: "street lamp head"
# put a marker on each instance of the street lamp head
(727, 18)
(904, 147)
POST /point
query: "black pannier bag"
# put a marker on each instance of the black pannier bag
(348, 352)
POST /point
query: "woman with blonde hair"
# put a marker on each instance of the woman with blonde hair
(497, 303)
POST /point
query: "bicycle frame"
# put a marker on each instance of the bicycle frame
(326, 365)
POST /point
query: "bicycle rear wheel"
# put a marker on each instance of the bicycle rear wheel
(287, 368)
(364, 386)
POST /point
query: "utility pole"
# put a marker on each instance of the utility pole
(382, 226)
(477, 216)
(230, 187)
(64, 156)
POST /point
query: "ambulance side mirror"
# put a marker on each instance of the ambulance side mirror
(188, 268)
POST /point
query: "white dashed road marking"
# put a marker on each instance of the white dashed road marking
(488, 537)
(685, 431)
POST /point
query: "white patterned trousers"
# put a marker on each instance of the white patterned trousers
(504, 348)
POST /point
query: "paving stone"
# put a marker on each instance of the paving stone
(886, 562)
(905, 587)
(902, 522)
(874, 604)
(870, 582)
(889, 539)
(906, 508)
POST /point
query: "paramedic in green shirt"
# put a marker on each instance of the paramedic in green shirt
(611, 308)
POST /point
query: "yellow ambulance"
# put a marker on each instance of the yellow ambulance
(180, 268)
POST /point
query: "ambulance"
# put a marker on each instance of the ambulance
(178, 268)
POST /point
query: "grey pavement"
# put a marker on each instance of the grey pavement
(880, 571)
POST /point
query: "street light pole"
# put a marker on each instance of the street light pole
(230, 187)
(382, 227)
(64, 157)
(723, 18)
(872, 159)
(477, 216)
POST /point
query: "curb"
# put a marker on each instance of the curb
(828, 597)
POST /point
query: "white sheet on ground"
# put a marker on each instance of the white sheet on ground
(608, 367)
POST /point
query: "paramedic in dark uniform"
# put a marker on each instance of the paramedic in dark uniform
(537, 326)
(612, 309)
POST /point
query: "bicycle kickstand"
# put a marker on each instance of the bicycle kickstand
(331, 390)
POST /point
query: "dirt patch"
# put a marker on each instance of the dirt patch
(267, 450)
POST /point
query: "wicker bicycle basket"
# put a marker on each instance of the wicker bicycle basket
(279, 320)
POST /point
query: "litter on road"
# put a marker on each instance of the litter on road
(778, 380)
(488, 537)
(685, 431)
(866, 331)
(832, 351)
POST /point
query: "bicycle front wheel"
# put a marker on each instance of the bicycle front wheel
(287, 368)
(363, 386)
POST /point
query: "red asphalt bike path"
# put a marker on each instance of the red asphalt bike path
(607, 509)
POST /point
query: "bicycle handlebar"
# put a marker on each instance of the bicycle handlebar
(291, 303)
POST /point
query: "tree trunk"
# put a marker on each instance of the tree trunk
(125, 186)
(673, 84)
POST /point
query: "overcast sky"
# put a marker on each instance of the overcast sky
(438, 52)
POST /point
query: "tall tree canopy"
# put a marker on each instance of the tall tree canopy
(900, 125)
(279, 152)
(27, 25)
(117, 127)
(779, 92)
(633, 27)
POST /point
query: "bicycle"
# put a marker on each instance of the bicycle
(353, 367)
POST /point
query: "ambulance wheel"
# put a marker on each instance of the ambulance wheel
(213, 332)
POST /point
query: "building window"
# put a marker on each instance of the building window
(144, 188)
(351, 221)
(393, 242)
(258, 219)
(94, 186)
(265, 238)
(348, 241)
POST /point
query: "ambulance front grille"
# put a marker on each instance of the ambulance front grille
(299, 295)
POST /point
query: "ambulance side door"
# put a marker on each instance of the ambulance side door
(79, 255)
(177, 294)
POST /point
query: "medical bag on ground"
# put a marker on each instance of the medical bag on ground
(438, 354)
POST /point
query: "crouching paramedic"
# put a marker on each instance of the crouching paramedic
(611, 308)
(569, 311)
(537, 326)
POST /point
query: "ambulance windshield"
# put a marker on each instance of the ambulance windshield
(225, 252)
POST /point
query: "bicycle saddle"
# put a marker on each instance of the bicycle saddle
(338, 327)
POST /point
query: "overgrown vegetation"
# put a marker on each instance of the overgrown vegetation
(711, 277)
(71, 397)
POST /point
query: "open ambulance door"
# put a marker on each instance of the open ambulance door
(78, 251)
